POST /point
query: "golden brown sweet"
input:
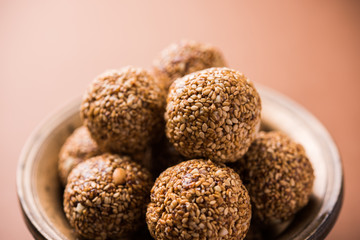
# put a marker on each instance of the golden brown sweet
(78, 147)
(106, 197)
(278, 176)
(213, 113)
(184, 57)
(198, 199)
(123, 110)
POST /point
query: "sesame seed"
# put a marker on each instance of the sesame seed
(217, 188)
(194, 108)
(204, 127)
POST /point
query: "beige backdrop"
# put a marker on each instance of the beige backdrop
(51, 50)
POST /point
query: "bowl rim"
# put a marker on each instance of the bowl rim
(330, 211)
(31, 215)
(41, 131)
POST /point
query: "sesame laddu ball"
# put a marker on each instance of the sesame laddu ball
(278, 176)
(198, 199)
(213, 113)
(184, 57)
(106, 197)
(123, 110)
(78, 147)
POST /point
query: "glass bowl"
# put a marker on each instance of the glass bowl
(40, 192)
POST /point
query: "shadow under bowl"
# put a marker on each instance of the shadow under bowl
(40, 191)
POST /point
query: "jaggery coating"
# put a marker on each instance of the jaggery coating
(213, 113)
(278, 176)
(123, 110)
(78, 147)
(106, 197)
(184, 57)
(198, 199)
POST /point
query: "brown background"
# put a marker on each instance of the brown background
(50, 51)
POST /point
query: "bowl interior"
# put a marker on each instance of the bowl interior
(40, 191)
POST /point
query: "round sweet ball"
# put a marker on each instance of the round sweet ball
(213, 113)
(278, 176)
(78, 147)
(180, 59)
(198, 199)
(123, 110)
(106, 196)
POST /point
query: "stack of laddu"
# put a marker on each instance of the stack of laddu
(192, 124)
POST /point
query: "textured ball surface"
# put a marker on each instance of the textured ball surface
(78, 147)
(198, 199)
(106, 197)
(213, 113)
(180, 59)
(124, 110)
(278, 176)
